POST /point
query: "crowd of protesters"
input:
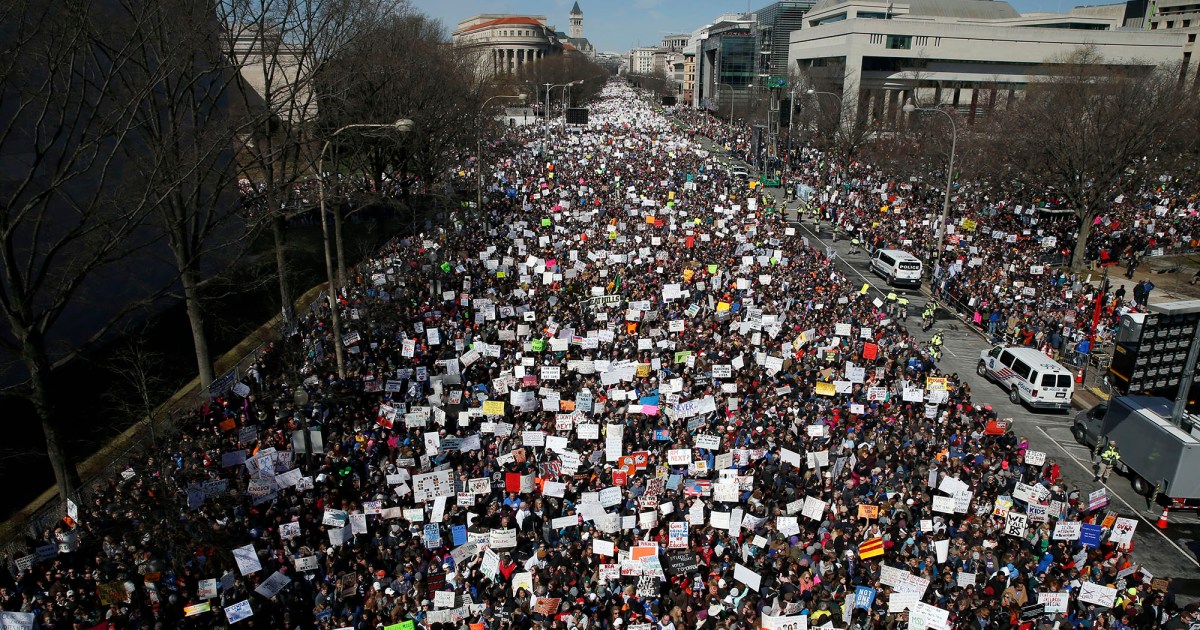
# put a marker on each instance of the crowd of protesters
(622, 395)
(1005, 267)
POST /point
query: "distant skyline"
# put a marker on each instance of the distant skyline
(618, 25)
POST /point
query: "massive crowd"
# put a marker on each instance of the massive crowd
(622, 395)
(1005, 248)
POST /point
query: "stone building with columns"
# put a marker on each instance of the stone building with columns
(504, 43)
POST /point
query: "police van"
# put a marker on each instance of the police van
(897, 266)
(1029, 376)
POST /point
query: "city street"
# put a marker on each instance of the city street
(1170, 552)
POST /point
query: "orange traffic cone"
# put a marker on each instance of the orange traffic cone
(1162, 520)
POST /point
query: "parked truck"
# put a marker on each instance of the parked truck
(1158, 456)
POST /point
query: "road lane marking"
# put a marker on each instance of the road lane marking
(1153, 526)
(848, 265)
(1183, 552)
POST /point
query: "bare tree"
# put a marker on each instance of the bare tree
(280, 47)
(561, 69)
(837, 121)
(190, 130)
(1093, 131)
(141, 382)
(404, 68)
(71, 211)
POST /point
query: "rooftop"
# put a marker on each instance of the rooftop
(470, 24)
(962, 9)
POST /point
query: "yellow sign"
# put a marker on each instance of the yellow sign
(671, 194)
(866, 287)
(936, 384)
(493, 407)
(968, 225)
(826, 389)
(643, 370)
(722, 306)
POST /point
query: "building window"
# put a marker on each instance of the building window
(829, 20)
(899, 42)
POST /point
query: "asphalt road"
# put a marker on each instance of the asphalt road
(1174, 552)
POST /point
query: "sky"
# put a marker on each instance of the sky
(618, 25)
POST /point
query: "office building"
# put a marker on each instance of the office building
(641, 60)
(726, 61)
(974, 55)
(774, 25)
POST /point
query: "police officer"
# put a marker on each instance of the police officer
(927, 315)
(902, 306)
(1109, 456)
(891, 303)
(935, 346)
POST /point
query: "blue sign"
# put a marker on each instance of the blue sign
(1089, 535)
(662, 435)
(864, 597)
(458, 534)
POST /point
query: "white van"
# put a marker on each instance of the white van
(897, 266)
(1029, 376)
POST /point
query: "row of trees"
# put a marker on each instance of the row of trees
(128, 127)
(1088, 131)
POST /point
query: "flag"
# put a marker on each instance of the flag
(870, 548)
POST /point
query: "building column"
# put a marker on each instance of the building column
(974, 104)
(851, 90)
(877, 108)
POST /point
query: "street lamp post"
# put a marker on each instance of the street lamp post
(403, 125)
(812, 92)
(551, 86)
(479, 148)
(909, 108)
